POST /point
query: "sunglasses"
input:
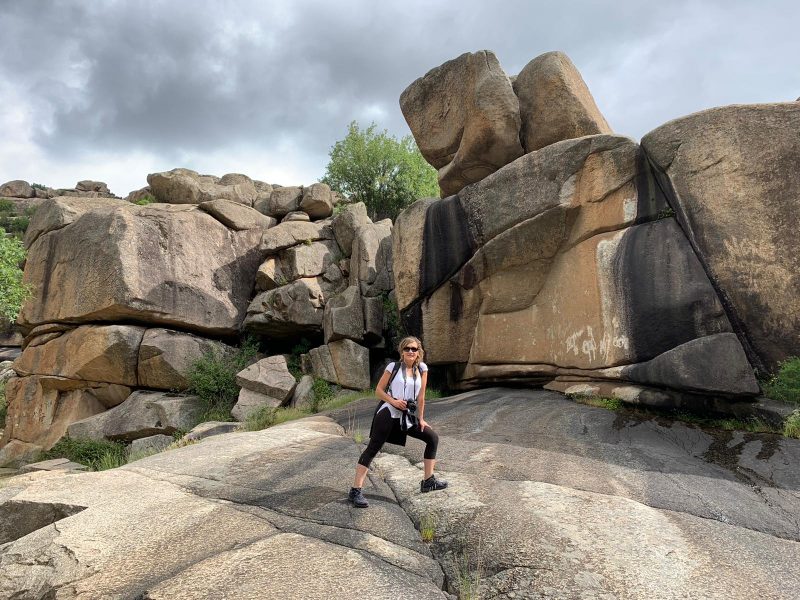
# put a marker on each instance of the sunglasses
(410, 349)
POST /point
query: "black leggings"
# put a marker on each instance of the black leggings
(382, 426)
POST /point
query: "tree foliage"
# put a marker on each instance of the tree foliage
(375, 168)
(12, 291)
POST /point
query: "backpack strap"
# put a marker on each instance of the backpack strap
(395, 371)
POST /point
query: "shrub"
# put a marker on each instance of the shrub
(13, 292)
(6, 207)
(39, 186)
(322, 394)
(294, 358)
(145, 200)
(791, 426)
(213, 379)
(97, 455)
(785, 384)
(395, 331)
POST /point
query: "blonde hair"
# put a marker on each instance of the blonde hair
(420, 352)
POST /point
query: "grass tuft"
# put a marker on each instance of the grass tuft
(97, 455)
(598, 401)
(3, 405)
(785, 384)
(791, 426)
(427, 528)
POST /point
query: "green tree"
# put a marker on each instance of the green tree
(375, 168)
(12, 291)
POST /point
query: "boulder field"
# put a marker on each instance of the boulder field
(547, 498)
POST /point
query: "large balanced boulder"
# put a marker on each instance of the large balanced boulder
(119, 262)
(16, 189)
(465, 118)
(317, 201)
(735, 186)
(555, 103)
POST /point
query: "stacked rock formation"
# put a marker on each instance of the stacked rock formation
(658, 273)
(126, 297)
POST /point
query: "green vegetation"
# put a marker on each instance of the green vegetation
(375, 168)
(427, 528)
(13, 292)
(145, 200)
(791, 426)
(785, 384)
(469, 569)
(395, 331)
(267, 416)
(294, 358)
(98, 456)
(39, 186)
(213, 379)
(665, 213)
(6, 207)
(322, 393)
(598, 401)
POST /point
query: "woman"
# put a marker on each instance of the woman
(406, 382)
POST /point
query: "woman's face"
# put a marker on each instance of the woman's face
(410, 351)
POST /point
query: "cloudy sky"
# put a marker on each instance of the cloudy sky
(114, 90)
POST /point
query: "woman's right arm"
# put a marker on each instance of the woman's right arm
(381, 393)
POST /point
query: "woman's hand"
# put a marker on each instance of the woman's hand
(423, 424)
(399, 404)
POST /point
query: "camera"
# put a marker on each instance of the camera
(411, 406)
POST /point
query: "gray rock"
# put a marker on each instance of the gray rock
(322, 364)
(303, 396)
(714, 363)
(211, 428)
(309, 260)
(165, 357)
(555, 103)
(54, 464)
(347, 223)
(284, 200)
(373, 320)
(371, 260)
(344, 316)
(232, 503)
(292, 233)
(750, 152)
(88, 185)
(268, 376)
(184, 186)
(270, 275)
(143, 414)
(465, 118)
(351, 363)
(16, 189)
(317, 201)
(250, 402)
(237, 216)
(296, 215)
(292, 309)
(151, 444)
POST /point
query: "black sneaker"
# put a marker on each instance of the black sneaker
(357, 498)
(431, 484)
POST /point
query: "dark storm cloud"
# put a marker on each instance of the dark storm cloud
(171, 78)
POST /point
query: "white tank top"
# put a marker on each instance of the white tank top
(404, 387)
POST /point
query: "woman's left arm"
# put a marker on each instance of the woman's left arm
(421, 399)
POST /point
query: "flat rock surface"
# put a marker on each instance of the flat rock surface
(547, 499)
